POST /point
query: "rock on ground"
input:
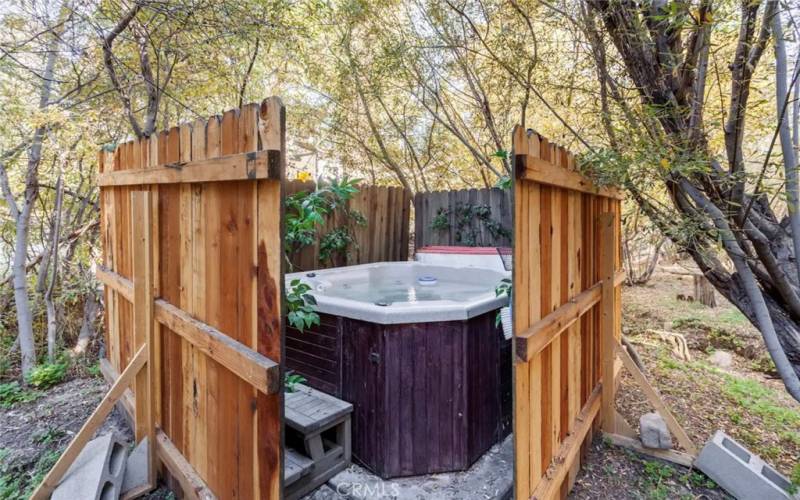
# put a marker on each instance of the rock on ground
(722, 359)
(653, 432)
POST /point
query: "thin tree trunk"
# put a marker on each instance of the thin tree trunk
(91, 307)
(789, 158)
(52, 314)
(27, 345)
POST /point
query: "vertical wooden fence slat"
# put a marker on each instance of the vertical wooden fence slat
(607, 266)
(143, 322)
(269, 289)
(427, 207)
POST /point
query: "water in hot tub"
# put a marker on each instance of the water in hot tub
(388, 291)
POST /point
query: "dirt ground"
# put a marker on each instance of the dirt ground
(745, 400)
(34, 433)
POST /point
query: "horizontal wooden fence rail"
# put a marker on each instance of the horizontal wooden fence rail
(258, 370)
(239, 167)
(542, 171)
(536, 337)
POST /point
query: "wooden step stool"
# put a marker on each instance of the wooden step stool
(321, 423)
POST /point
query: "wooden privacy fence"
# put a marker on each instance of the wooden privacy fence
(566, 312)
(383, 238)
(191, 224)
(437, 214)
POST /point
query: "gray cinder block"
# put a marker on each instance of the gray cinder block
(741, 473)
(654, 432)
(97, 473)
(136, 469)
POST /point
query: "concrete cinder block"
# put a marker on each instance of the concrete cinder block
(136, 476)
(97, 473)
(653, 432)
(740, 472)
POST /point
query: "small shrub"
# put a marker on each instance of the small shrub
(698, 480)
(47, 375)
(763, 364)
(658, 471)
(46, 462)
(12, 393)
(725, 339)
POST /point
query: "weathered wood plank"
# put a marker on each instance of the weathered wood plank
(251, 165)
(608, 340)
(258, 370)
(143, 322)
(191, 483)
(545, 172)
(674, 456)
(269, 293)
(540, 334)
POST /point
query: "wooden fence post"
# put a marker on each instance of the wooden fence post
(143, 323)
(607, 321)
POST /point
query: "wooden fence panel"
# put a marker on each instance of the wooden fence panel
(217, 266)
(428, 205)
(383, 238)
(557, 303)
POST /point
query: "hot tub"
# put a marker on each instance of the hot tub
(415, 349)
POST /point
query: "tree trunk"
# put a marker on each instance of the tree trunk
(52, 313)
(27, 346)
(704, 291)
(91, 307)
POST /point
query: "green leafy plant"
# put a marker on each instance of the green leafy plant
(49, 436)
(48, 374)
(656, 474)
(306, 211)
(94, 370)
(467, 221)
(12, 393)
(301, 304)
(794, 477)
(503, 289)
(504, 182)
(336, 242)
(292, 380)
(46, 462)
(10, 486)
